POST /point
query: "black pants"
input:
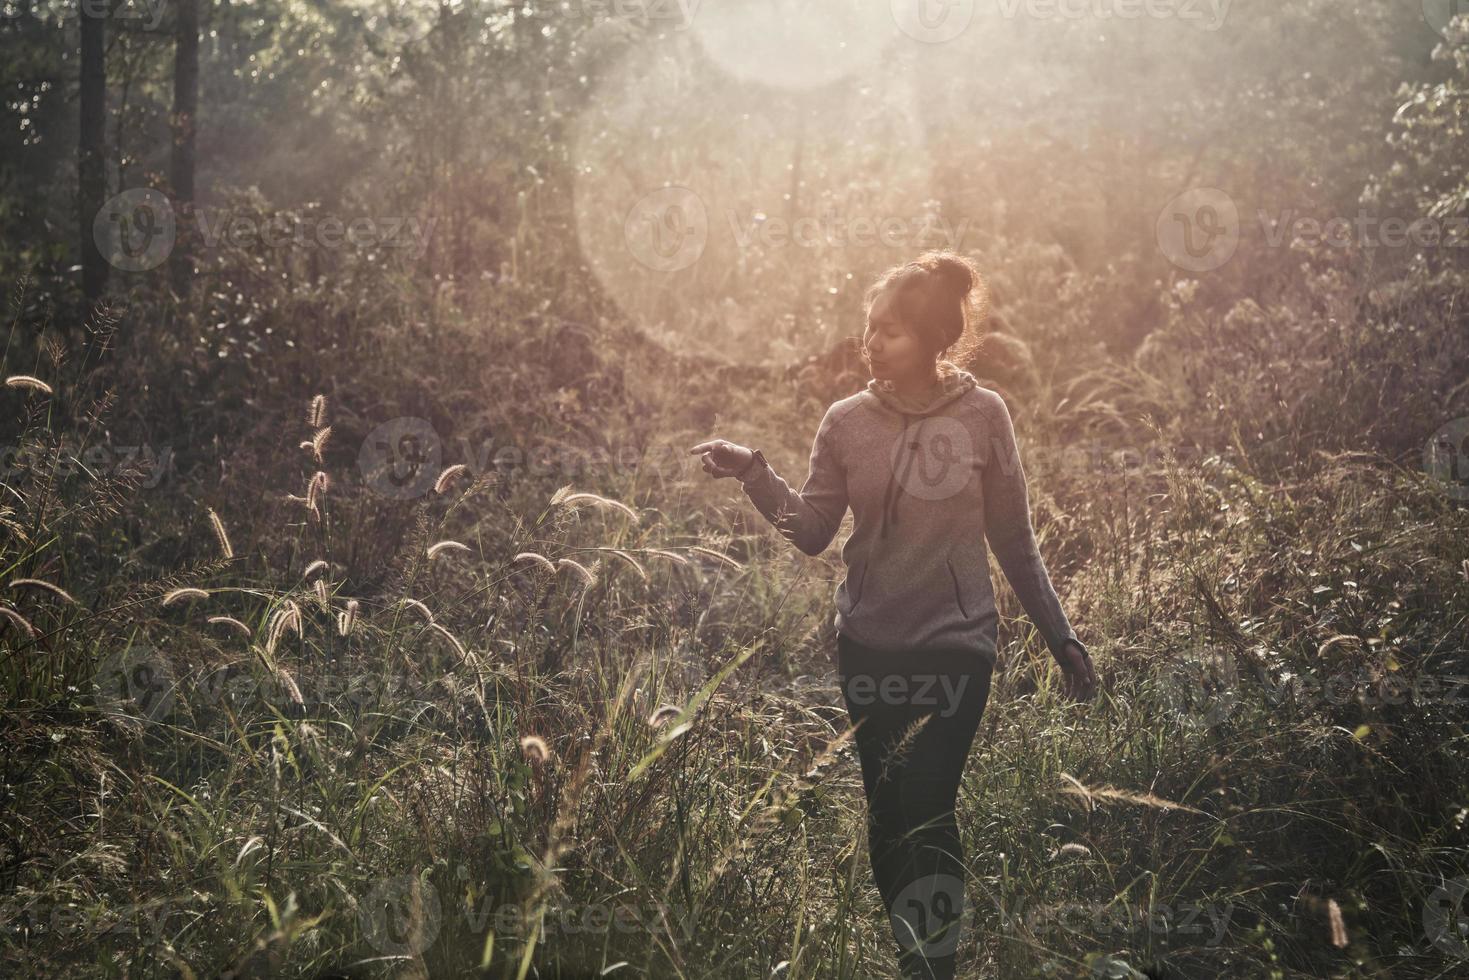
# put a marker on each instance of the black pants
(912, 786)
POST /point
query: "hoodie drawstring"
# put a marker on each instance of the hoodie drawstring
(893, 478)
(953, 384)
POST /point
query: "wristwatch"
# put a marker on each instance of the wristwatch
(758, 457)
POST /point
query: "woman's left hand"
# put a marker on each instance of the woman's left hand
(1076, 665)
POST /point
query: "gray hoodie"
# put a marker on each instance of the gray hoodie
(928, 483)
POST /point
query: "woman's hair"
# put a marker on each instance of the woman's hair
(941, 296)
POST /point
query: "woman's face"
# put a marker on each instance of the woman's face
(894, 351)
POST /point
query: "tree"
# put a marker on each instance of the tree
(184, 128)
(91, 159)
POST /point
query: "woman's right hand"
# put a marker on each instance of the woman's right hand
(723, 458)
(1076, 667)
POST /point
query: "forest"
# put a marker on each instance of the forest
(364, 613)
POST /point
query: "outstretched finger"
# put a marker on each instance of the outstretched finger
(705, 447)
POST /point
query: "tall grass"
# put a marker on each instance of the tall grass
(579, 724)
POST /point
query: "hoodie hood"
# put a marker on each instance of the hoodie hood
(954, 381)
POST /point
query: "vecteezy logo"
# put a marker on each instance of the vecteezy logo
(925, 917)
(1201, 688)
(1446, 457)
(400, 22)
(136, 681)
(933, 21)
(1443, 918)
(1199, 229)
(401, 916)
(1440, 14)
(935, 459)
(135, 230)
(667, 229)
(401, 458)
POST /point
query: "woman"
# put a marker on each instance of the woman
(926, 459)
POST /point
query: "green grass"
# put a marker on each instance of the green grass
(181, 799)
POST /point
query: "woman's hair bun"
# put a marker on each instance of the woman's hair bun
(953, 270)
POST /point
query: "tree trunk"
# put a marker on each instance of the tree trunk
(185, 113)
(91, 159)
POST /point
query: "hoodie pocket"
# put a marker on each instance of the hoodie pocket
(958, 593)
